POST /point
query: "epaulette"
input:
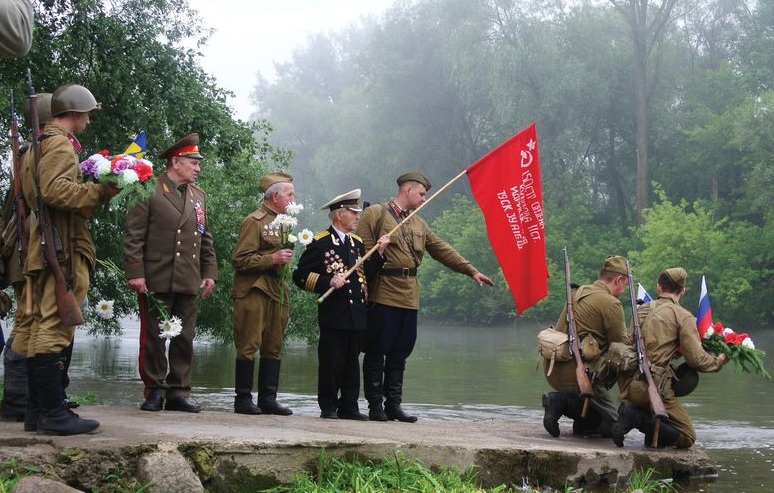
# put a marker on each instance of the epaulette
(259, 214)
(358, 238)
(197, 187)
(322, 234)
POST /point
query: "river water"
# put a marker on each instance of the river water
(467, 373)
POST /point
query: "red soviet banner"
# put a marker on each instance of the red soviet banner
(506, 185)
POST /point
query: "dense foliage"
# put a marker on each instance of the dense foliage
(435, 84)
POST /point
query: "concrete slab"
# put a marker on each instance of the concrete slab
(231, 452)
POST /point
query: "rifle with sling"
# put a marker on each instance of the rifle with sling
(582, 377)
(656, 404)
(20, 212)
(68, 308)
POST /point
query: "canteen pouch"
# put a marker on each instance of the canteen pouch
(554, 346)
(620, 360)
(590, 348)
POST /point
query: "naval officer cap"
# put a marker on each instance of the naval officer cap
(272, 178)
(188, 146)
(414, 176)
(349, 200)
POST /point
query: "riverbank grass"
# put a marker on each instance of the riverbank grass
(399, 474)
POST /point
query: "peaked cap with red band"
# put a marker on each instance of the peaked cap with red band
(188, 146)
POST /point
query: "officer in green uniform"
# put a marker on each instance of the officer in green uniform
(599, 315)
(168, 250)
(666, 327)
(394, 294)
(70, 202)
(261, 306)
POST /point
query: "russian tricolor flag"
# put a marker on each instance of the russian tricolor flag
(704, 313)
(643, 295)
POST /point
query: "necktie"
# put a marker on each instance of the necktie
(181, 189)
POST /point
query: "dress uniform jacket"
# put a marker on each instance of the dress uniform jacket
(405, 251)
(168, 242)
(323, 258)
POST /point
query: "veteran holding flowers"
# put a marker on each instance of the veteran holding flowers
(168, 250)
(666, 328)
(261, 301)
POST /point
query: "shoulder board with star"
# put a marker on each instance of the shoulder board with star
(356, 237)
(322, 234)
(197, 187)
(259, 214)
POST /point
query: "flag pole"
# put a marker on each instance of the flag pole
(397, 226)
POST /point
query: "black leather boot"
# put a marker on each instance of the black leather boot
(667, 435)
(393, 390)
(243, 386)
(553, 405)
(33, 406)
(268, 382)
(14, 403)
(154, 402)
(66, 356)
(630, 417)
(54, 418)
(372, 388)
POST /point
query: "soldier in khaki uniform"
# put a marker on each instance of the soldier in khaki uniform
(598, 314)
(261, 306)
(666, 327)
(168, 250)
(394, 294)
(70, 202)
(14, 403)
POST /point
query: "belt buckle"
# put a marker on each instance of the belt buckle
(405, 272)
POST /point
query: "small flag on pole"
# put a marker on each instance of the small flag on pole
(643, 295)
(704, 313)
(138, 145)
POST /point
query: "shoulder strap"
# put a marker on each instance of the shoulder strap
(380, 222)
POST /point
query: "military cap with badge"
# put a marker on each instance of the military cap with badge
(188, 146)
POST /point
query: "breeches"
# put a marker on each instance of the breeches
(259, 325)
(46, 334)
(390, 337)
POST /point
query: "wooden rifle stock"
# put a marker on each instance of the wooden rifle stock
(584, 382)
(656, 404)
(67, 306)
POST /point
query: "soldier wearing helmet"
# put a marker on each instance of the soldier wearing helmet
(56, 183)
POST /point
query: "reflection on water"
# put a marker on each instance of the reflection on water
(466, 373)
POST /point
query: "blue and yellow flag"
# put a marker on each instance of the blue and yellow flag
(138, 145)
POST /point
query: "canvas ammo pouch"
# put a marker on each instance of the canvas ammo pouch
(620, 360)
(554, 346)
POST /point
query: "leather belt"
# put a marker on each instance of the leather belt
(404, 272)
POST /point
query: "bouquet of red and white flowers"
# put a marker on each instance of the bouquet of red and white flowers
(739, 348)
(132, 175)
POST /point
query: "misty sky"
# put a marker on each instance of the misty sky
(250, 36)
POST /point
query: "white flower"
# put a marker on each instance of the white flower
(305, 237)
(294, 209)
(126, 177)
(103, 164)
(104, 309)
(727, 331)
(284, 220)
(145, 162)
(171, 328)
(747, 342)
(292, 238)
(710, 331)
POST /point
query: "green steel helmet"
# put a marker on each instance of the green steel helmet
(73, 97)
(44, 109)
(686, 380)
